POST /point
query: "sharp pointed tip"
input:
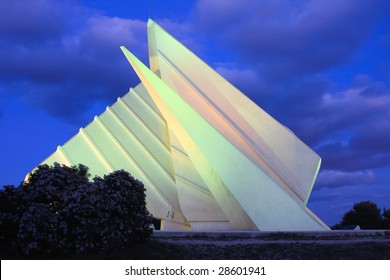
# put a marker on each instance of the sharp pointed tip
(124, 50)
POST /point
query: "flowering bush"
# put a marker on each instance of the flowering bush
(58, 210)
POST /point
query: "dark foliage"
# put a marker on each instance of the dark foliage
(386, 218)
(367, 215)
(59, 211)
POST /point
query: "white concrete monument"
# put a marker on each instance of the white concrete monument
(209, 157)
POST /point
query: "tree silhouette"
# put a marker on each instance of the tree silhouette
(386, 218)
(366, 214)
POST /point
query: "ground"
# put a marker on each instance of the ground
(335, 245)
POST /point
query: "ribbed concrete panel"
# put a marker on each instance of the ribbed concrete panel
(147, 116)
(140, 154)
(144, 135)
(80, 151)
(115, 153)
(56, 157)
(141, 92)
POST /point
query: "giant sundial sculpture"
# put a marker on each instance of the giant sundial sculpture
(209, 157)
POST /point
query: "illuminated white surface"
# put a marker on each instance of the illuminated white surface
(209, 157)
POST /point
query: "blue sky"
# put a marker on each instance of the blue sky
(322, 68)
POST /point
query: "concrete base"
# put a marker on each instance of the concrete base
(271, 234)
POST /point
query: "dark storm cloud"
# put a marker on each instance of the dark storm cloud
(332, 178)
(288, 38)
(28, 21)
(355, 136)
(61, 57)
(357, 128)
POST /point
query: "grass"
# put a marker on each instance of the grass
(209, 249)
